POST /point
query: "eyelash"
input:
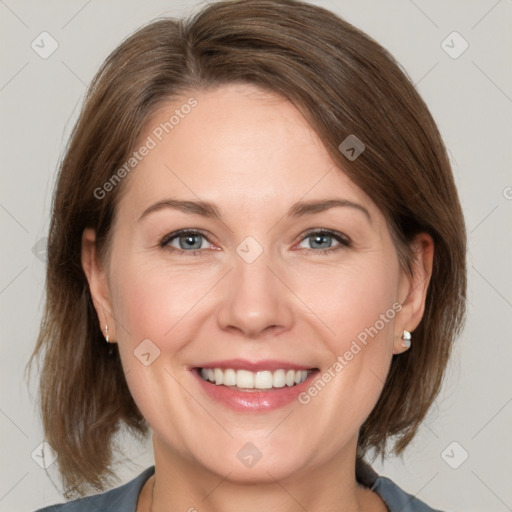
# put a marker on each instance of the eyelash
(343, 240)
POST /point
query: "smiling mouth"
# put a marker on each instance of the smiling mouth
(261, 380)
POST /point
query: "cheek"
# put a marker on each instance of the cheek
(353, 302)
(368, 311)
(157, 312)
(357, 307)
(153, 310)
(151, 301)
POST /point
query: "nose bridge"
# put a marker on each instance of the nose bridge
(255, 298)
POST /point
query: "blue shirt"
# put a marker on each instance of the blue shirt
(124, 498)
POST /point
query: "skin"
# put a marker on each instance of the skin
(252, 154)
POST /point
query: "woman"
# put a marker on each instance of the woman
(254, 213)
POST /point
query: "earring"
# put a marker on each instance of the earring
(406, 339)
(107, 337)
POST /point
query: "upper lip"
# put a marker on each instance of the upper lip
(254, 366)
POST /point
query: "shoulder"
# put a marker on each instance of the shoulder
(120, 499)
(396, 499)
(124, 498)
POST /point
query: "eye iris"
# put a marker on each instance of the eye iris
(191, 242)
(319, 239)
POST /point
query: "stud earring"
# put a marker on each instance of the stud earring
(406, 339)
(107, 337)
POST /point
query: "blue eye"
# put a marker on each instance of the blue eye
(322, 241)
(193, 242)
(190, 242)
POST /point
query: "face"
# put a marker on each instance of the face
(240, 253)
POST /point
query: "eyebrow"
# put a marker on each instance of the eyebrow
(210, 210)
(310, 207)
(202, 208)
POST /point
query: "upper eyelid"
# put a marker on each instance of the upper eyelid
(183, 232)
(336, 234)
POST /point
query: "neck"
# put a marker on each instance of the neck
(182, 484)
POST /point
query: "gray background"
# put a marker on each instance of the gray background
(470, 98)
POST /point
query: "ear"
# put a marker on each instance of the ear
(98, 285)
(413, 289)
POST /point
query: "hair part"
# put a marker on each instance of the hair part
(344, 83)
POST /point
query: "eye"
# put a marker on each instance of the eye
(322, 241)
(185, 241)
(194, 242)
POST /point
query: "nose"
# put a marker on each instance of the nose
(255, 299)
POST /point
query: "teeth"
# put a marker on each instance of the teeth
(263, 380)
(229, 377)
(279, 379)
(245, 379)
(219, 376)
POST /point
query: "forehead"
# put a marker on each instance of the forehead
(239, 146)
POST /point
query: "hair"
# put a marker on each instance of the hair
(343, 82)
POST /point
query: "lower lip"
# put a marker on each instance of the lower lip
(253, 401)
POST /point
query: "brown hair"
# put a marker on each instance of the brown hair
(344, 83)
